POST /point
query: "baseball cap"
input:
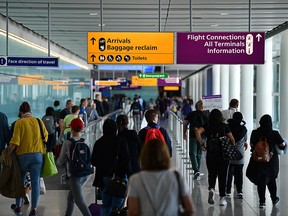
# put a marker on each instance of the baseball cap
(77, 124)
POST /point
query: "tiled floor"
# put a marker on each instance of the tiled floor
(54, 201)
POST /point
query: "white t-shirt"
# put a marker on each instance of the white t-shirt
(161, 187)
(228, 114)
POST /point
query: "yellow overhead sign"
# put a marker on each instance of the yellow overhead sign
(143, 81)
(130, 48)
(106, 82)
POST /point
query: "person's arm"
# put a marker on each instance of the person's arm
(198, 133)
(134, 206)
(61, 125)
(187, 204)
(12, 147)
(231, 138)
(186, 122)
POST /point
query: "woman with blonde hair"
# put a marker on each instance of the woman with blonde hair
(154, 191)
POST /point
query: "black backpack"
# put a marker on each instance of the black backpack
(80, 158)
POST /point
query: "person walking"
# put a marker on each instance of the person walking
(110, 156)
(133, 142)
(156, 189)
(216, 165)
(75, 195)
(152, 117)
(195, 119)
(265, 174)
(239, 132)
(27, 141)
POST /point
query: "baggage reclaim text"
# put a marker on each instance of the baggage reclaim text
(131, 48)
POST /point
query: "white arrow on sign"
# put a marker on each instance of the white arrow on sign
(258, 36)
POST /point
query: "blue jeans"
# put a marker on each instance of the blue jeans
(195, 153)
(75, 196)
(31, 162)
(110, 202)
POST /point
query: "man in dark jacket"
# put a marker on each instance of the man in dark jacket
(151, 117)
(195, 119)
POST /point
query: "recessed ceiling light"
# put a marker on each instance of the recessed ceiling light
(100, 25)
(93, 14)
(224, 14)
(214, 25)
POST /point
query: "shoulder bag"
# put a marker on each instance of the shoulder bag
(49, 168)
(116, 186)
(181, 209)
(229, 151)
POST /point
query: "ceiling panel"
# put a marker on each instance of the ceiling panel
(71, 19)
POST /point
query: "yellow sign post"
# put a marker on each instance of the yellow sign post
(130, 48)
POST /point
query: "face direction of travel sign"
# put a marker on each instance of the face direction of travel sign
(220, 47)
(29, 61)
(130, 48)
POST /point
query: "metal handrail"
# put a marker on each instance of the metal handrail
(94, 129)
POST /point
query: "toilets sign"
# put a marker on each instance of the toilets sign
(220, 47)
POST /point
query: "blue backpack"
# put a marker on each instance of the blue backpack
(80, 158)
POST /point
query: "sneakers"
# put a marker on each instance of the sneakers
(276, 201)
(262, 206)
(222, 201)
(211, 197)
(228, 194)
(33, 212)
(26, 200)
(240, 196)
(197, 176)
(15, 209)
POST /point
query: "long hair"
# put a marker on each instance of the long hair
(215, 121)
(265, 124)
(155, 155)
(122, 122)
(25, 107)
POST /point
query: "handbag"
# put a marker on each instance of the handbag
(116, 186)
(229, 151)
(49, 168)
(181, 209)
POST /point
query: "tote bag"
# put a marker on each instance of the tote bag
(49, 168)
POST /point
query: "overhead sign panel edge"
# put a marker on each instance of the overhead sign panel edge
(220, 47)
(130, 48)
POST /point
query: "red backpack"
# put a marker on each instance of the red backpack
(153, 133)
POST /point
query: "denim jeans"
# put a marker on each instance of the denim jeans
(137, 122)
(31, 162)
(195, 153)
(110, 202)
(75, 196)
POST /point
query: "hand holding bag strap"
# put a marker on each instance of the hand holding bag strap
(41, 131)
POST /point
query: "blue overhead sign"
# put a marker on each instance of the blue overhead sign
(29, 61)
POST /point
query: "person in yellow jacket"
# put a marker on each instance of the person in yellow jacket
(27, 141)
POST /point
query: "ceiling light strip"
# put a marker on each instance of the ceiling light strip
(42, 49)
